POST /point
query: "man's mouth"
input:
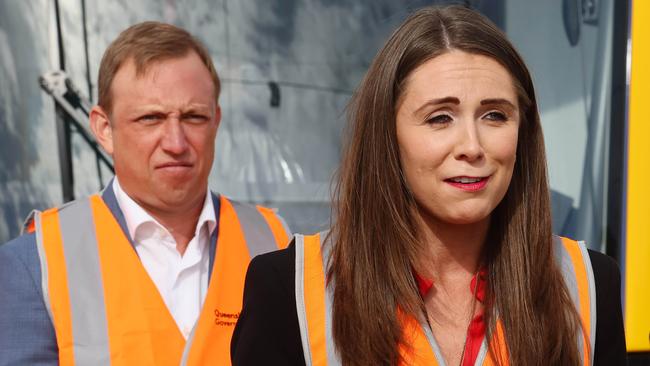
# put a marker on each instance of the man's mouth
(174, 165)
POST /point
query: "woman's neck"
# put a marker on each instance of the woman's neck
(451, 252)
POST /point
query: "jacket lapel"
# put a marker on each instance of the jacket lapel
(212, 249)
(108, 196)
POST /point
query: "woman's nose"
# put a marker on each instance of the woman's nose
(468, 146)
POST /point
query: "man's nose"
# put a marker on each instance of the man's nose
(174, 140)
(468, 145)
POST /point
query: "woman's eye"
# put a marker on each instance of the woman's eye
(439, 119)
(496, 116)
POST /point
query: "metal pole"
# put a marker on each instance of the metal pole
(90, 84)
(85, 33)
(62, 127)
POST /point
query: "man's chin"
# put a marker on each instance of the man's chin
(174, 180)
(180, 198)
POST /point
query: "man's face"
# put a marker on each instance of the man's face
(162, 132)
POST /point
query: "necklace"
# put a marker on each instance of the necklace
(471, 315)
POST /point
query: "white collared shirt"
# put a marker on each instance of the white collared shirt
(181, 280)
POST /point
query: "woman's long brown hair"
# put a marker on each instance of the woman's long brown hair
(375, 241)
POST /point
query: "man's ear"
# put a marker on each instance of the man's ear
(101, 127)
(217, 116)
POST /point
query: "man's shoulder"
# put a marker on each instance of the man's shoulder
(21, 251)
(27, 336)
(23, 245)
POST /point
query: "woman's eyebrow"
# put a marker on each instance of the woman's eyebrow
(444, 100)
(498, 101)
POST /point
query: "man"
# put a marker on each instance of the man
(151, 271)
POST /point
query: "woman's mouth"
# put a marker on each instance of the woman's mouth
(469, 184)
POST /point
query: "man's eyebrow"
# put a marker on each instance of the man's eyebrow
(196, 107)
(147, 108)
(444, 100)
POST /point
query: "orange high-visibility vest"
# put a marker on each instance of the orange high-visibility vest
(314, 305)
(105, 308)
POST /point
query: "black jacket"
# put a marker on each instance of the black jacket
(267, 332)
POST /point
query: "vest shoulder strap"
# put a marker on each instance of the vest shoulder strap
(261, 226)
(71, 279)
(313, 300)
(573, 259)
(245, 231)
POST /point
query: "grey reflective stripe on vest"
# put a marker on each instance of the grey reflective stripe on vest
(434, 345)
(258, 234)
(188, 347)
(300, 297)
(480, 357)
(592, 299)
(326, 247)
(259, 240)
(85, 287)
(286, 227)
(563, 259)
(482, 352)
(568, 272)
(332, 357)
(41, 257)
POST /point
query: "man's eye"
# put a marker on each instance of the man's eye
(196, 118)
(439, 119)
(149, 117)
(496, 116)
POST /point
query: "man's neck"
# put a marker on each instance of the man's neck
(180, 219)
(181, 224)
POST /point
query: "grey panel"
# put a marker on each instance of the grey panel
(288, 70)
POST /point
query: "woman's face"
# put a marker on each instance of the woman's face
(457, 126)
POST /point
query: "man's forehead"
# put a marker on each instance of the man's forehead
(189, 66)
(161, 105)
(140, 70)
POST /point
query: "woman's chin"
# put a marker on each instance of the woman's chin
(464, 218)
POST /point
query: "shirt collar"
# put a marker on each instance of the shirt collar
(207, 215)
(135, 216)
(425, 284)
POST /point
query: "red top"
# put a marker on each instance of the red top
(476, 328)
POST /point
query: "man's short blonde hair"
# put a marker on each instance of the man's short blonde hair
(147, 43)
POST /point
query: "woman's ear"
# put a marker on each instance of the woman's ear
(101, 127)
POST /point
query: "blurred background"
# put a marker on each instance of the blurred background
(288, 68)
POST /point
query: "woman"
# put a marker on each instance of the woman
(442, 251)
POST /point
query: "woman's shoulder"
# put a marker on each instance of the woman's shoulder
(609, 346)
(267, 331)
(604, 267)
(278, 260)
(607, 275)
(603, 264)
(273, 271)
(610, 335)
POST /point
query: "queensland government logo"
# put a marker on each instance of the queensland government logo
(225, 319)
